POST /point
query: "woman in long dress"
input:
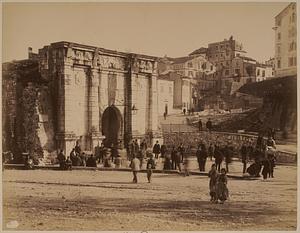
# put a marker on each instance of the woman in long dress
(222, 190)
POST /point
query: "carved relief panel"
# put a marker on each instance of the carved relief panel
(144, 66)
(112, 62)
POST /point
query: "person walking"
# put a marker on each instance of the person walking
(213, 175)
(227, 155)
(243, 152)
(135, 167)
(156, 149)
(150, 166)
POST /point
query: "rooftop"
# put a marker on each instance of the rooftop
(198, 51)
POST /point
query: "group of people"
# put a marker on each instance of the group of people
(76, 158)
(209, 125)
(264, 158)
(218, 185)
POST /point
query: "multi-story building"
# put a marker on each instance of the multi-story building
(190, 66)
(263, 72)
(165, 95)
(241, 66)
(271, 62)
(222, 53)
(183, 95)
(286, 41)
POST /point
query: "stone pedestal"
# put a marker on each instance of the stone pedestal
(95, 139)
(66, 141)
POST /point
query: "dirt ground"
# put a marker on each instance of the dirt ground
(107, 200)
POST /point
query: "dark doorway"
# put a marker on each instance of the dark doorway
(166, 109)
(111, 125)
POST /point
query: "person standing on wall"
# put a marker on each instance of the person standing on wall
(200, 125)
(209, 125)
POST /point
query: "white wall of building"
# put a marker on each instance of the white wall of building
(165, 96)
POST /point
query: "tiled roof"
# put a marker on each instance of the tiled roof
(180, 60)
(198, 51)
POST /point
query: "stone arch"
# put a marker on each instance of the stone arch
(112, 124)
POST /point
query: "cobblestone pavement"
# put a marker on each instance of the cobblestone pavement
(107, 200)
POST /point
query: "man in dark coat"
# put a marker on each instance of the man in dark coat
(181, 151)
(173, 157)
(156, 149)
(203, 157)
(163, 150)
(218, 157)
(227, 154)
(209, 125)
(210, 151)
(243, 152)
(198, 155)
(200, 125)
(61, 159)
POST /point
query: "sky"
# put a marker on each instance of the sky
(157, 29)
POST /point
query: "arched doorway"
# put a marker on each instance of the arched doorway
(111, 125)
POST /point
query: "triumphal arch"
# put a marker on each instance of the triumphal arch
(100, 94)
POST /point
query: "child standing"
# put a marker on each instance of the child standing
(150, 166)
(213, 174)
(222, 190)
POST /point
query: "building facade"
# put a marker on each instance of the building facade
(263, 72)
(165, 96)
(286, 41)
(221, 54)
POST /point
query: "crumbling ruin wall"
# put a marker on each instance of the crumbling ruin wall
(27, 112)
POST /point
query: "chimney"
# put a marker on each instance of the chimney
(29, 52)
